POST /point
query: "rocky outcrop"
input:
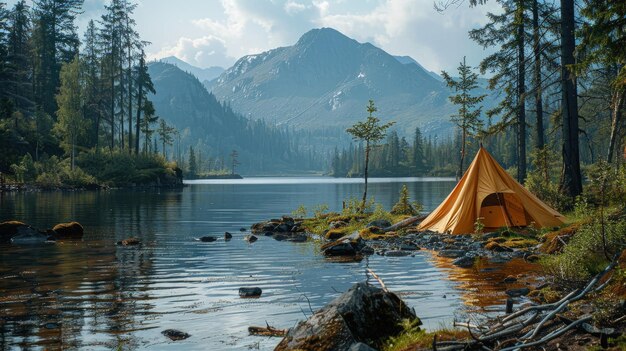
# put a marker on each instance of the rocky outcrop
(363, 314)
(285, 228)
(10, 229)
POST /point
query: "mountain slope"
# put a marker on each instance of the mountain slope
(203, 74)
(215, 130)
(325, 80)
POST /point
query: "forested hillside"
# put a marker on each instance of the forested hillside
(213, 130)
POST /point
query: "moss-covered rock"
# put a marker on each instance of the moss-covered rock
(9, 229)
(335, 234)
(71, 230)
(362, 314)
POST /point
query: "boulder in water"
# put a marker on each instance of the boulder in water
(175, 334)
(10, 229)
(250, 238)
(71, 230)
(250, 292)
(228, 236)
(207, 239)
(363, 314)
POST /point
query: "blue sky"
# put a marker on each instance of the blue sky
(216, 33)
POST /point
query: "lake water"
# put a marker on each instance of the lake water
(93, 295)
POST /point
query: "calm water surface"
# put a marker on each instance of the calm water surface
(93, 295)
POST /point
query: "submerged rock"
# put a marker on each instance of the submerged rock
(228, 236)
(250, 238)
(29, 238)
(518, 292)
(175, 334)
(129, 242)
(10, 229)
(451, 253)
(250, 292)
(297, 238)
(464, 262)
(363, 314)
(71, 230)
(342, 249)
(242, 229)
(397, 253)
(207, 239)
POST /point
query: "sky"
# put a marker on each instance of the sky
(208, 33)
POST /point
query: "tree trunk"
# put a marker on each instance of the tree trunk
(112, 82)
(521, 92)
(462, 160)
(130, 101)
(617, 103)
(538, 98)
(367, 160)
(572, 182)
(139, 102)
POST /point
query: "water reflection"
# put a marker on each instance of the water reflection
(92, 294)
(483, 287)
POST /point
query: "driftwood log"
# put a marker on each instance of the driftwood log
(267, 331)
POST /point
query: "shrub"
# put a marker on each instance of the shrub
(300, 212)
(584, 255)
(403, 206)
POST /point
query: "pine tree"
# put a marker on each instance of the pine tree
(572, 180)
(19, 84)
(418, 151)
(55, 42)
(371, 131)
(604, 43)
(166, 135)
(144, 86)
(468, 117)
(91, 63)
(193, 166)
(71, 124)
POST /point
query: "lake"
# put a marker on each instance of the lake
(94, 295)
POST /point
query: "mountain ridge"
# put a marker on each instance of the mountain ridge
(326, 78)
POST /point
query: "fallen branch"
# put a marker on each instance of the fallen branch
(343, 239)
(550, 336)
(380, 281)
(405, 223)
(267, 331)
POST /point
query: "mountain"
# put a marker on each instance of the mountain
(324, 82)
(203, 74)
(214, 130)
(408, 60)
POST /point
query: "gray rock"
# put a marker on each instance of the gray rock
(298, 238)
(364, 313)
(409, 246)
(280, 237)
(380, 223)
(397, 253)
(342, 249)
(464, 262)
(250, 292)
(337, 224)
(517, 292)
(367, 250)
(207, 239)
(29, 238)
(451, 253)
(250, 238)
(175, 334)
(283, 228)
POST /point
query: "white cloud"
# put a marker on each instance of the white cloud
(401, 27)
(203, 52)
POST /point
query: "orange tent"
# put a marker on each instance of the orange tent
(486, 191)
